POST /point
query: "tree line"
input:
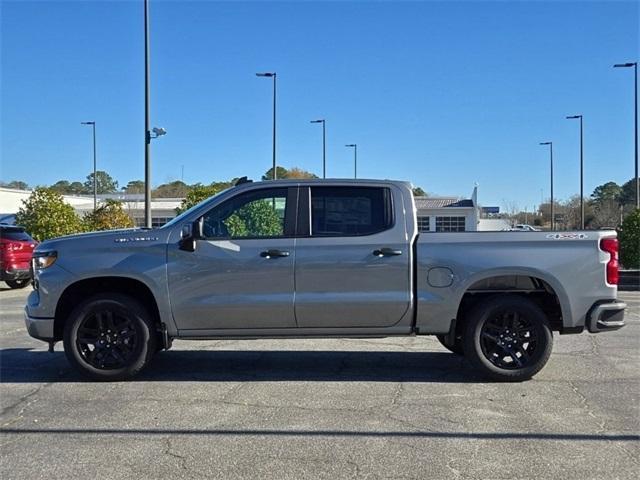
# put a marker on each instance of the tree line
(106, 184)
(606, 207)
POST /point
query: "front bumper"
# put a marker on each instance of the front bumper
(40, 328)
(604, 317)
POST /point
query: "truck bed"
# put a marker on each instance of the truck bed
(451, 265)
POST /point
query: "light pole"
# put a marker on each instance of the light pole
(635, 129)
(95, 180)
(324, 145)
(274, 76)
(355, 158)
(553, 220)
(147, 119)
(571, 117)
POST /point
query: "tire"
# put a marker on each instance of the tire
(18, 283)
(457, 347)
(491, 346)
(109, 337)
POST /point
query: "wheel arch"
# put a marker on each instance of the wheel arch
(82, 289)
(536, 285)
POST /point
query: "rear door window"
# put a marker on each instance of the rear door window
(350, 211)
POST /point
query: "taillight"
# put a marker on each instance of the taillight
(610, 245)
(12, 246)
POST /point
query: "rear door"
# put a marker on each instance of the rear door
(352, 259)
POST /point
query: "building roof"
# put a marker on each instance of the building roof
(442, 202)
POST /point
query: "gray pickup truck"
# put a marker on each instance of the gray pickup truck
(319, 258)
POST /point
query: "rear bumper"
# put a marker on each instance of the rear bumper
(40, 328)
(15, 274)
(604, 317)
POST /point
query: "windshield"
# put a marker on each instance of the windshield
(184, 214)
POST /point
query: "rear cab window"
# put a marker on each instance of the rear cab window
(350, 211)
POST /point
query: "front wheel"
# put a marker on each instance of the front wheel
(109, 337)
(508, 338)
(18, 283)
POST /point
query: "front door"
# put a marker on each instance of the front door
(241, 274)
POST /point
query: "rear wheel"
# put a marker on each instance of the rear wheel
(508, 338)
(456, 347)
(18, 283)
(109, 337)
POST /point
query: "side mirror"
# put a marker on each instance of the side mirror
(189, 233)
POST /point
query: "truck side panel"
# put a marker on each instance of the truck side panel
(571, 264)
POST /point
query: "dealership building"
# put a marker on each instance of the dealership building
(162, 209)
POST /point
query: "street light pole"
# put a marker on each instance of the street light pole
(274, 76)
(581, 172)
(324, 147)
(553, 220)
(635, 129)
(355, 158)
(95, 179)
(147, 115)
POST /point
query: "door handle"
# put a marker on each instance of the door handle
(274, 253)
(386, 252)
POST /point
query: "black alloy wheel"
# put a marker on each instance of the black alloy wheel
(107, 339)
(110, 336)
(508, 338)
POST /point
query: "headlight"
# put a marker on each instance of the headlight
(42, 260)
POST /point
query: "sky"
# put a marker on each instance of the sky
(444, 94)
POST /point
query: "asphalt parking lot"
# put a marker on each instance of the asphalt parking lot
(383, 408)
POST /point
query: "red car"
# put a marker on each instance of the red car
(16, 247)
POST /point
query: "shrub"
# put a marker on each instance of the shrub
(629, 236)
(46, 215)
(108, 216)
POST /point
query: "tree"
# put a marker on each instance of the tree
(17, 184)
(281, 171)
(175, 189)
(544, 210)
(257, 218)
(296, 172)
(572, 212)
(108, 216)
(61, 186)
(606, 213)
(419, 192)
(134, 186)
(606, 192)
(45, 215)
(629, 237)
(293, 172)
(199, 192)
(628, 193)
(77, 188)
(105, 183)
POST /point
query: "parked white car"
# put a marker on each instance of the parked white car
(522, 227)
